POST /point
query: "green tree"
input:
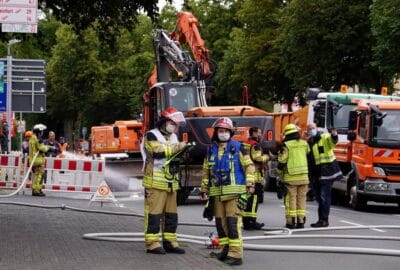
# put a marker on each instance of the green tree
(73, 74)
(327, 43)
(385, 23)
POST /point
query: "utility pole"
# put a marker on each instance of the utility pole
(9, 90)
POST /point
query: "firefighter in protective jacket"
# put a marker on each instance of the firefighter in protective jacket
(160, 185)
(294, 167)
(254, 147)
(35, 146)
(228, 174)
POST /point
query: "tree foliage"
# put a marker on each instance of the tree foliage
(385, 22)
(327, 43)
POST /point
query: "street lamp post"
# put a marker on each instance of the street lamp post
(9, 88)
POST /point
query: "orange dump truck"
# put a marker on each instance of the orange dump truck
(372, 154)
(121, 137)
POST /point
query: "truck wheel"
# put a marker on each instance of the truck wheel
(357, 201)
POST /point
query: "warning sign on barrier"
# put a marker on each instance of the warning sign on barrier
(103, 194)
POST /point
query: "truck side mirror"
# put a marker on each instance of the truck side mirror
(353, 115)
(116, 132)
(351, 135)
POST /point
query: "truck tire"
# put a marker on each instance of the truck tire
(357, 201)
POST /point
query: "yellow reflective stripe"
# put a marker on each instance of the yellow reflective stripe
(232, 174)
(223, 241)
(287, 205)
(215, 191)
(249, 214)
(301, 212)
(169, 236)
(237, 189)
(149, 182)
(250, 177)
(253, 209)
(152, 236)
(235, 242)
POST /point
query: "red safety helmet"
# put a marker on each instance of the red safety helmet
(174, 115)
(223, 122)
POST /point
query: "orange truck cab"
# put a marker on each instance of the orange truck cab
(374, 146)
(121, 137)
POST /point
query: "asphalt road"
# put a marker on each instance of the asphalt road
(36, 238)
(271, 212)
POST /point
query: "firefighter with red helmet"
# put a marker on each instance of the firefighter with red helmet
(159, 145)
(228, 176)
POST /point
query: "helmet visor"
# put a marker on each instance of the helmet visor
(177, 118)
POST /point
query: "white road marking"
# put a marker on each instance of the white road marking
(356, 224)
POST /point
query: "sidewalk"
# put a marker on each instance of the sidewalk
(38, 238)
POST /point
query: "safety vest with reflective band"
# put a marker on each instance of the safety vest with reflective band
(324, 156)
(227, 176)
(154, 175)
(34, 147)
(323, 149)
(295, 158)
(257, 157)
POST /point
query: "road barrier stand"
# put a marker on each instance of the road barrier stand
(72, 175)
(10, 170)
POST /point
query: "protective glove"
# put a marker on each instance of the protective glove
(51, 148)
(280, 189)
(208, 211)
(242, 201)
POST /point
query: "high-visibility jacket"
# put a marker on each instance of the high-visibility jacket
(227, 169)
(293, 157)
(34, 147)
(259, 159)
(325, 158)
(323, 149)
(158, 149)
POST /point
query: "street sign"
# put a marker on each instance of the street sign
(19, 3)
(28, 102)
(23, 85)
(19, 28)
(3, 98)
(9, 14)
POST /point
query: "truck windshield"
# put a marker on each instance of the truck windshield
(388, 134)
(341, 118)
(182, 97)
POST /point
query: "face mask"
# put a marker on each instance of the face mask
(312, 132)
(170, 128)
(223, 137)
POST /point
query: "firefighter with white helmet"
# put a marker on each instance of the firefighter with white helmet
(160, 186)
(293, 166)
(35, 146)
(228, 176)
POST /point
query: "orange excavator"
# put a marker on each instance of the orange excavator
(188, 94)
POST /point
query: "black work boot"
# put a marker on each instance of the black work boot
(300, 226)
(233, 261)
(290, 226)
(158, 250)
(221, 255)
(169, 248)
(320, 223)
(257, 226)
(248, 225)
(41, 194)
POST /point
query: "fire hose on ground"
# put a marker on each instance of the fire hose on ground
(269, 233)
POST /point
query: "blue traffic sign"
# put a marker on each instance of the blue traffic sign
(3, 98)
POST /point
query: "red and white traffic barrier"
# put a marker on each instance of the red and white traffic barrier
(76, 175)
(10, 170)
